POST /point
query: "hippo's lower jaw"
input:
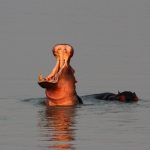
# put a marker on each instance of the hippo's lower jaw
(62, 90)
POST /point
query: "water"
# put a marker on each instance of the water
(26, 123)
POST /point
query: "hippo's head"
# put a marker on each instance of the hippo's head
(127, 96)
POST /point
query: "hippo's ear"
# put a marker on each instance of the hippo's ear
(134, 94)
(118, 92)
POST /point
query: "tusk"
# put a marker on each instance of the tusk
(40, 77)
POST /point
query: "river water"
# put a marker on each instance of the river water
(26, 123)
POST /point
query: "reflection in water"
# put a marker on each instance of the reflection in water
(58, 123)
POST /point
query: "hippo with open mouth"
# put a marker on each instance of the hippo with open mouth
(59, 85)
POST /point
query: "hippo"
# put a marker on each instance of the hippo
(125, 96)
(60, 85)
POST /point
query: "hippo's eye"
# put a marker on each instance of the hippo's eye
(136, 98)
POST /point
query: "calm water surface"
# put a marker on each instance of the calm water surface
(26, 123)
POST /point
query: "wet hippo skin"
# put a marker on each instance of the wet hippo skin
(125, 96)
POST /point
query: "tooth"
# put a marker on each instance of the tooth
(40, 78)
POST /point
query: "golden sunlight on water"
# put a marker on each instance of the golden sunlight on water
(59, 125)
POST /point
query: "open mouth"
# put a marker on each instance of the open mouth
(58, 71)
(63, 54)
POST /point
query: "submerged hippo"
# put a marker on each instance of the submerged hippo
(126, 96)
(59, 85)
